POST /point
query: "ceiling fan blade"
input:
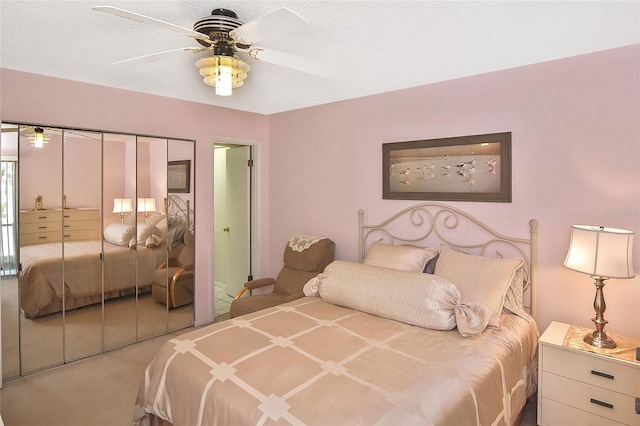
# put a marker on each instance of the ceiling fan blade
(160, 55)
(295, 62)
(151, 21)
(272, 25)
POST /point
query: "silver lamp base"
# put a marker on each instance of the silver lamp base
(600, 340)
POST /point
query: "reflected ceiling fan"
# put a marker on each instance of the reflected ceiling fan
(223, 36)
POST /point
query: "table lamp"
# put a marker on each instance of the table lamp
(122, 206)
(602, 253)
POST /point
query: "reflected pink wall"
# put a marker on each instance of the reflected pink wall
(576, 150)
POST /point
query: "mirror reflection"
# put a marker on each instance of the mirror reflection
(97, 242)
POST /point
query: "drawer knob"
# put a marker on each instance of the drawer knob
(605, 375)
(603, 404)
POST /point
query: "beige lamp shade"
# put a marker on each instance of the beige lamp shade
(122, 205)
(146, 205)
(600, 251)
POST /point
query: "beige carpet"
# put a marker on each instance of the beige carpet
(99, 390)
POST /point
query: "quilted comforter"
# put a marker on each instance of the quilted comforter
(312, 362)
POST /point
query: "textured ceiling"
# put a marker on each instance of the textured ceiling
(378, 46)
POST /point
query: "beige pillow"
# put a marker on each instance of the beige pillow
(411, 297)
(405, 258)
(480, 279)
(119, 233)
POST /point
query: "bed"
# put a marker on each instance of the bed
(387, 340)
(129, 253)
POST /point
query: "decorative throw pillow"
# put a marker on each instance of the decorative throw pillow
(145, 231)
(414, 298)
(405, 258)
(480, 279)
(119, 233)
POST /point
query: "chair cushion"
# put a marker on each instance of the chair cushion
(246, 305)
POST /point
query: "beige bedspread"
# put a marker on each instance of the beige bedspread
(41, 281)
(311, 362)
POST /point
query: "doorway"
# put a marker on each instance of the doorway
(233, 221)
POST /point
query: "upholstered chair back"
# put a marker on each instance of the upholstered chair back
(300, 266)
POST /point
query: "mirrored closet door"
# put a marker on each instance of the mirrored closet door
(97, 242)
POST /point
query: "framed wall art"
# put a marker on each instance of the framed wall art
(462, 168)
(179, 176)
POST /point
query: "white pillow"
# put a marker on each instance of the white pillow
(119, 233)
(405, 258)
(411, 297)
(480, 279)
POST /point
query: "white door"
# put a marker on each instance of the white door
(238, 217)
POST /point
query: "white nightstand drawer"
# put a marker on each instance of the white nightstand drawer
(555, 413)
(590, 398)
(597, 371)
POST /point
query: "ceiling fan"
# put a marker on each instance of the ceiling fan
(223, 36)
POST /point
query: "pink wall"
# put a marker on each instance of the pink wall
(576, 150)
(576, 144)
(80, 105)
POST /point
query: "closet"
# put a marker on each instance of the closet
(89, 221)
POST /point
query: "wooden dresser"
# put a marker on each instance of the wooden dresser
(46, 226)
(578, 387)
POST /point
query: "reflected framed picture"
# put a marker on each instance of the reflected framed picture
(462, 168)
(178, 176)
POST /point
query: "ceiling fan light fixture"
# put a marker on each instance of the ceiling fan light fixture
(223, 72)
(38, 138)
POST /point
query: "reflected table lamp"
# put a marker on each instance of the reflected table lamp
(146, 206)
(602, 253)
(122, 206)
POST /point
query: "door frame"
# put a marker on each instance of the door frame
(255, 206)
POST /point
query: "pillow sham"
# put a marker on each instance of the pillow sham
(480, 279)
(411, 297)
(119, 233)
(405, 258)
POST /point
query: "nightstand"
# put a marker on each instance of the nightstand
(579, 387)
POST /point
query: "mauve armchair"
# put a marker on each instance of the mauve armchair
(304, 258)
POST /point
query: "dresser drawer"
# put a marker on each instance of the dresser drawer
(557, 414)
(589, 398)
(40, 216)
(38, 227)
(80, 225)
(40, 238)
(597, 371)
(81, 234)
(71, 215)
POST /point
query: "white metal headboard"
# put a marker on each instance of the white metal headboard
(177, 208)
(432, 224)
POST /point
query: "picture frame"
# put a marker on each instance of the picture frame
(461, 168)
(179, 176)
